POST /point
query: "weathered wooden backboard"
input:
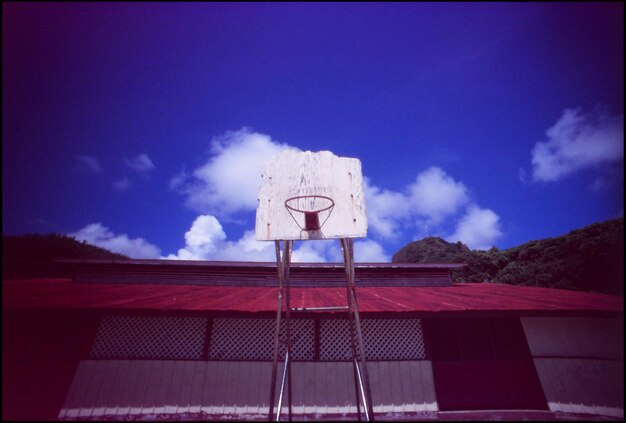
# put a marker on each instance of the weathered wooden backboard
(296, 174)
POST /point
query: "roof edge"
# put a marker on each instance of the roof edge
(259, 264)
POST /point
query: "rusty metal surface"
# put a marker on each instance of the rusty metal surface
(478, 298)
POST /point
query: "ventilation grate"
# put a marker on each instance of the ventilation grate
(384, 339)
(161, 337)
(150, 337)
(253, 339)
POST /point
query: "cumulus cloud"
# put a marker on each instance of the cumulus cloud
(366, 250)
(87, 164)
(311, 252)
(101, 236)
(436, 195)
(431, 198)
(478, 228)
(249, 249)
(206, 240)
(204, 237)
(369, 251)
(141, 163)
(229, 181)
(385, 209)
(578, 141)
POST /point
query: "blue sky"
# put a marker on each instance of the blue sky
(142, 127)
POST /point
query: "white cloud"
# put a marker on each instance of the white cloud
(206, 240)
(328, 250)
(331, 251)
(248, 249)
(522, 176)
(578, 141)
(101, 236)
(122, 184)
(435, 195)
(478, 228)
(309, 252)
(204, 237)
(141, 163)
(385, 210)
(229, 181)
(369, 251)
(88, 164)
(178, 181)
(433, 199)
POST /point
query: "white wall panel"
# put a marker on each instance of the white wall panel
(127, 389)
(575, 385)
(575, 337)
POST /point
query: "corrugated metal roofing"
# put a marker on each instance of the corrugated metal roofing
(475, 297)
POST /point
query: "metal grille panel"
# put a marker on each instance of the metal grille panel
(150, 337)
(253, 339)
(384, 339)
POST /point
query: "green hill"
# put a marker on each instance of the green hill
(33, 255)
(587, 259)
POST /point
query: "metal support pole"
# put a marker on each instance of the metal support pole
(286, 264)
(360, 368)
(283, 262)
(358, 386)
(282, 389)
(276, 334)
(357, 376)
(361, 380)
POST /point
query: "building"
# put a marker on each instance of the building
(163, 340)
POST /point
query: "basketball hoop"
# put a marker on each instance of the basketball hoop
(311, 206)
(321, 186)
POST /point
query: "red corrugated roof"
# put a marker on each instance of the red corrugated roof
(478, 297)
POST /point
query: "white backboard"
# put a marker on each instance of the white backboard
(294, 174)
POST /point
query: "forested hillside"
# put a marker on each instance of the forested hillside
(33, 255)
(587, 259)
